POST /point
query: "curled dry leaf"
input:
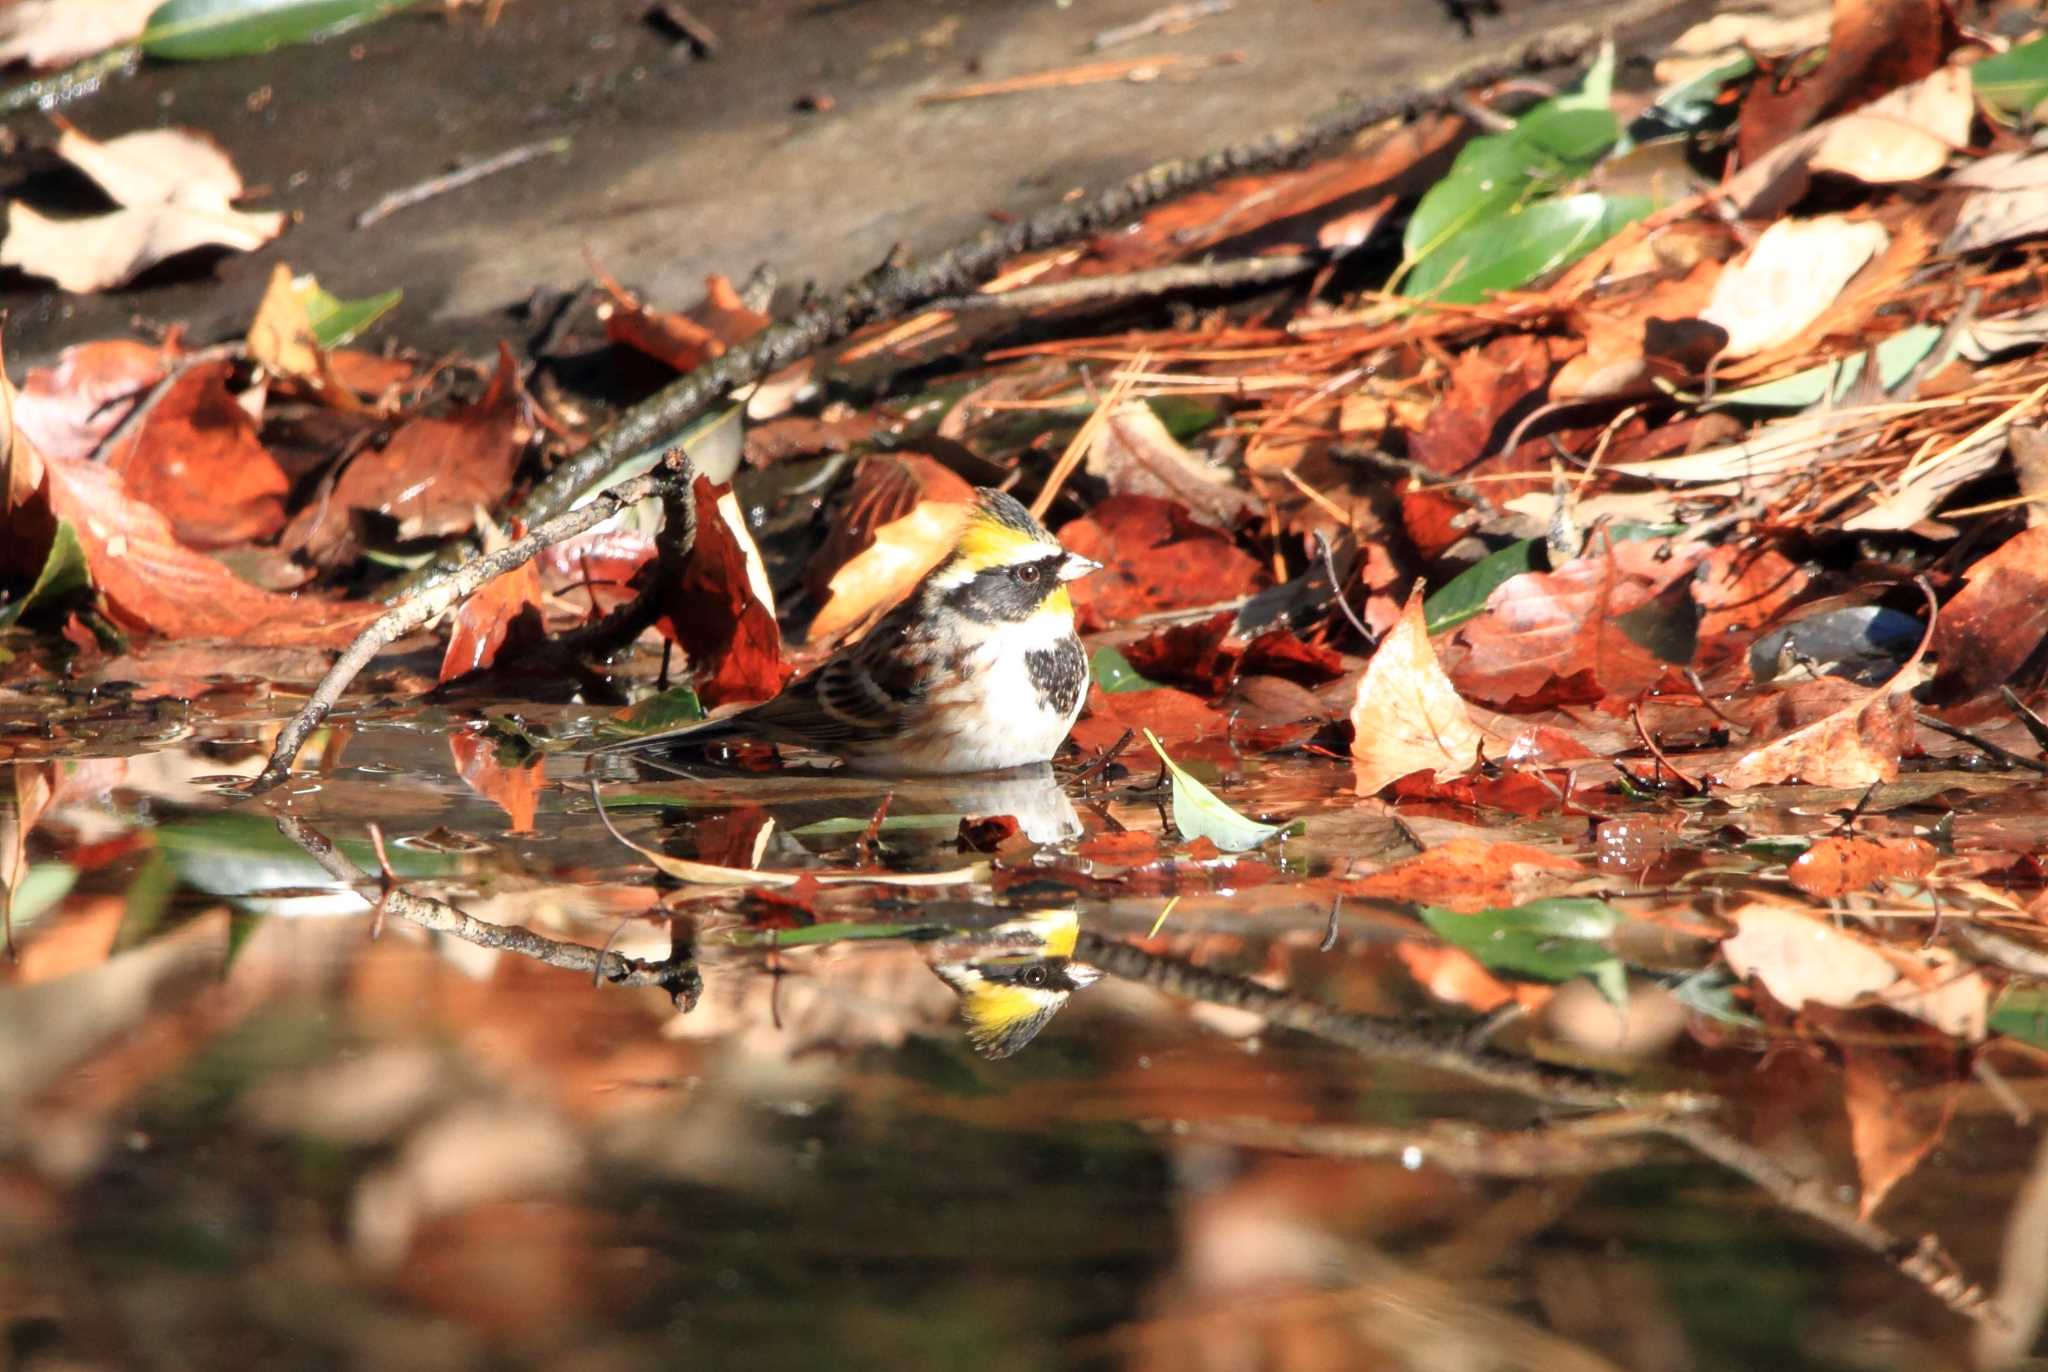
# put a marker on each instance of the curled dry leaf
(506, 606)
(176, 190)
(723, 612)
(1996, 622)
(1175, 716)
(1407, 717)
(898, 521)
(69, 409)
(1788, 279)
(1563, 633)
(437, 470)
(1135, 454)
(1858, 745)
(683, 341)
(154, 583)
(196, 459)
(1873, 46)
(1906, 135)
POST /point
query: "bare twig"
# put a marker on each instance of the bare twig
(1170, 17)
(1088, 74)
(431, 601)
(460, 177)
(1984, 745)
(73, 83)
(677, 974)
(1141, 285)
(1926, 1263)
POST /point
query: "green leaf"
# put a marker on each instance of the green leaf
(1712, 993)
(42, 886)
(1465, 595)
(1896, 356)
(1509, 250)
(1553, 143)
(671, 709)
(336, 321)
(1197, 812)
(2022, 1013)
(186, 30)
(149, 896)
(2014, 81)
(1555, 939)
(1113, 672)
(854, 824)
(64, 572)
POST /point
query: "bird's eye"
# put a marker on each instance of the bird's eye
(1027, 573)
(1034, 976)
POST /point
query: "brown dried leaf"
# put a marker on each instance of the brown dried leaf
(1836, 866)
(1800, 958)
(1996, 622)
(1855, 746)
(152, 582)
(436, 471)
(196, 459)
(1407, 717)
(723, 614)
(1135, 455)
(485, 622)
(1155, 557)
(1788, 279)
(69, 409)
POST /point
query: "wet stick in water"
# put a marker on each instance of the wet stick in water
(430, 601)
(677, 975)
(1674, 1114)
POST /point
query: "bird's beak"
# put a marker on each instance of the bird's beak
(1076, 567)
(1083, 975)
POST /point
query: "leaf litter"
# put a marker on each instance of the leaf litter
(1578, 453)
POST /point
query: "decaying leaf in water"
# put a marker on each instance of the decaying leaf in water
(1407, 717)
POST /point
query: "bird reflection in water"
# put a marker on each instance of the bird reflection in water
(1013, 978)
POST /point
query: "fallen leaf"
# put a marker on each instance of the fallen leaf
(1989, 629)
(723, 614)
(152, 582)
(21, 478)
(176, 190)
(1155, 557)
(1176, 716)
(682, 341)
(69, 409)
(506, 606)
(1906, 135)
(1407, 717)
(436, 470)
(56, 33)
(1714, 43)
(1945, 994)
(1134, 454)
(901, 516)
(1471, 874)
(1836, 866)
(32, 785)
(196, 458)
(1800, 958)
(1629, 340)
(1742, 592)
(1488, 391)
(1453, 975)
(1565, 634)
(1199, 813)
(1874, 47)
(1789, 278)
(1857, 745)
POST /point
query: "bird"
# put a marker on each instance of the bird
(1012, 979)
(978, 669)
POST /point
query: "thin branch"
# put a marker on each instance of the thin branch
(677, 974)
(73, 83)
(460, 177)
(1141, 285)
(1924, 1263)
(431, 601)
(1983, 745)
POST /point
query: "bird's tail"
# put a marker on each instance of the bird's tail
(667, 740)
